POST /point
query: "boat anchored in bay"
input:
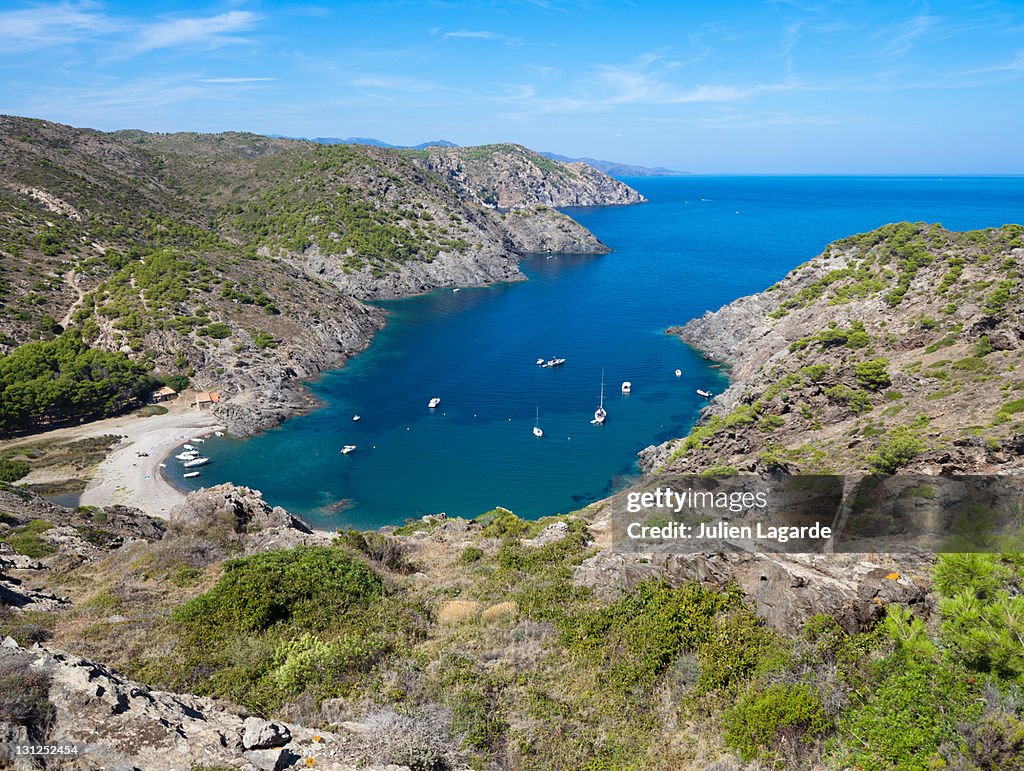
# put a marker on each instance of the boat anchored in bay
(600, 414)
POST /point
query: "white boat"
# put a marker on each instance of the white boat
(540, 362)
(556, 362)
(187, 455)
(218, 433)
(190, 474)
(600, 414)
(537, 432)
(626, 386)
(347, 449)
(679, 373)
(705, 394)
(188, 448)
(357, 417)
(434, 402)
(196, 462)
(199, 439)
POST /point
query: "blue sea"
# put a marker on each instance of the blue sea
(699, 243)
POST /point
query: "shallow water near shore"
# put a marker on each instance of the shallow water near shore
(700, 243)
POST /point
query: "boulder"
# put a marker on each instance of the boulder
(259, 734)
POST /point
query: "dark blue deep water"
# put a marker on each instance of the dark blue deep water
(700, 242)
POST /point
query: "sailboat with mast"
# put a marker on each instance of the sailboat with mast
(600, 414)
(537, 432)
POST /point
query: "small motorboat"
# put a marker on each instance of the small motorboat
(347, 449)
(218, 433)
(196, 462)
(626, 386)
(434, 402)
(540, 362)
(679, 373)
(357, 418)
(556, 362)
(705, 394)
(188, 448)
(199, 439)
(190, 474)
(187, 455)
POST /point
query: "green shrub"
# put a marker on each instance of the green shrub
(502, 523)
(26, 539)
(12, 470)
(216, 330)
(856, 400)
(762, 720)
(470, 555)
(326, 669)
(384, 550)
(896, 451)
(309, 588)
(906, 715)
(187, 575)
(873, 375)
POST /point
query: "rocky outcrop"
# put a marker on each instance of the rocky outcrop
(116, 723)
(113, 525)
(263, 527)
(510, 176)
(785, 589)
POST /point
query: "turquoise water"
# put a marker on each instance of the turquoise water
(700, 242)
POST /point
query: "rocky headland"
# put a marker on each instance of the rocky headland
(240, 262)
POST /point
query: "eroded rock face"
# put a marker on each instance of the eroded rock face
(244, 505)
(121, 523)
(262, 734)
(510, 176)
(785, 589)
(118, 723)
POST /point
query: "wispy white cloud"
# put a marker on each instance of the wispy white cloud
(235, 80)
(393, 83)
(45, 25)
(478, 34)
(194, 32)
(898, 39)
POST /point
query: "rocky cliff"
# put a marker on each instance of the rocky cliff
(509, 176)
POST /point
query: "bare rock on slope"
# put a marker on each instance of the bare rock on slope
(786, 590)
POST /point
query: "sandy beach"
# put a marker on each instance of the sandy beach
(124, 477)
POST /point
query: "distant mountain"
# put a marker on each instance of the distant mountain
(615, 169)
(378, 143)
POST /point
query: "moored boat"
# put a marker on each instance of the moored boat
(434, 402)
(627, 387)
(190, 474)
(347, 449)
(705, 394)
(196, 462)
(600, 414)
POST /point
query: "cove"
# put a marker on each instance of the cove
(699, 243)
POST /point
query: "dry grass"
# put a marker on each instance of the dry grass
(499, 611)
(457, 611)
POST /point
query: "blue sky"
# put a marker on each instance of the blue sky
(779, 86)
